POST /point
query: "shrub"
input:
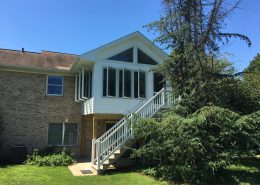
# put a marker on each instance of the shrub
(56, 159)
(196, 148)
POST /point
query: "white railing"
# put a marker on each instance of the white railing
(88, 106)
(122, 131)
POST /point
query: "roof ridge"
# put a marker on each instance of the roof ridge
(42, 51)
(19, 50)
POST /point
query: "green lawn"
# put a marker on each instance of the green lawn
(23, 175)
(246, 173)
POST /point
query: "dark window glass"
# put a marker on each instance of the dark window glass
(105, 82)
(158, 82)
(111, 82)
(145, 59)
(55, 85)
(120, 83)
(55, 134)
(127, 83)
(86, 84)
(71, 134)
(109, 125)
(90, 84)
(54, 90)
(142, 85)
(125, 56)
(55, 80)
(136, 84)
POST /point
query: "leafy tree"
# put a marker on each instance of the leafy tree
(192, 30)
(252, 74)
(196, 149)
(1, 128)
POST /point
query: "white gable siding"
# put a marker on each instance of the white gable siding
(98, 59)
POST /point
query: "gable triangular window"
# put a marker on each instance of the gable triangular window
(125, 56)
(145, 59)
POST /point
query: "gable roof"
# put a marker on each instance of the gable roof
(137, 35)
(46, 60)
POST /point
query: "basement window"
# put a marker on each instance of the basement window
(63, 134)
(55, 85)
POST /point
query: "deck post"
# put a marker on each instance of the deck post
(93, 151)
(98, 155)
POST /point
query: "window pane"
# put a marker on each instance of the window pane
(120, 83)
(71, 134)
(127, 83)
(86, 83)
(145, 59)
(111, 82)
(158, 82)
(55, 80)
(105, 82)
(136, 84)
(55, 90)
(90, 85)
(125, 56)
(55, 134)
(142, 84)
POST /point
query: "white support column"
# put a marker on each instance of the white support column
(98, 155)
(93, 151)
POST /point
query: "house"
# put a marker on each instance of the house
(79, 102)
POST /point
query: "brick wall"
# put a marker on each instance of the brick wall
(27, 110)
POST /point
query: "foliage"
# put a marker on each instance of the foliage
(193, 31)
(233, 93)
(252, 75)
(1, 128)
(196, 148)
(60, 159)
(31, 175)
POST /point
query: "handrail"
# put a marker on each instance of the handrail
(120, 133)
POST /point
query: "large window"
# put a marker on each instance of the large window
(83, 85)
(63, 134)
(139, 84)
(55, 85)
(124, 83)
(125, 56)
(127, 83)
(109, 82)
(158, 82)
(143, 58)
(121, 82)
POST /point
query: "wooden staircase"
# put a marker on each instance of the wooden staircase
(108, 148)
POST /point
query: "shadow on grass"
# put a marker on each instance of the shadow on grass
(245, 172)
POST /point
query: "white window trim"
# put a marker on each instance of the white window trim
(62, 86)
(107, 68)
(138, 84)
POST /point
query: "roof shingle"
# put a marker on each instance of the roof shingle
(45, 60)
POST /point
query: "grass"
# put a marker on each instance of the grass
(245, 173)
(33, 175)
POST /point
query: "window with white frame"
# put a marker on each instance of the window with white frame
(55, 85)
(83, 85)
(139, 84)
(118, 83)
(60, 134)
(109, 81)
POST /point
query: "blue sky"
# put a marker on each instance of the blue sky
(76, 26)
